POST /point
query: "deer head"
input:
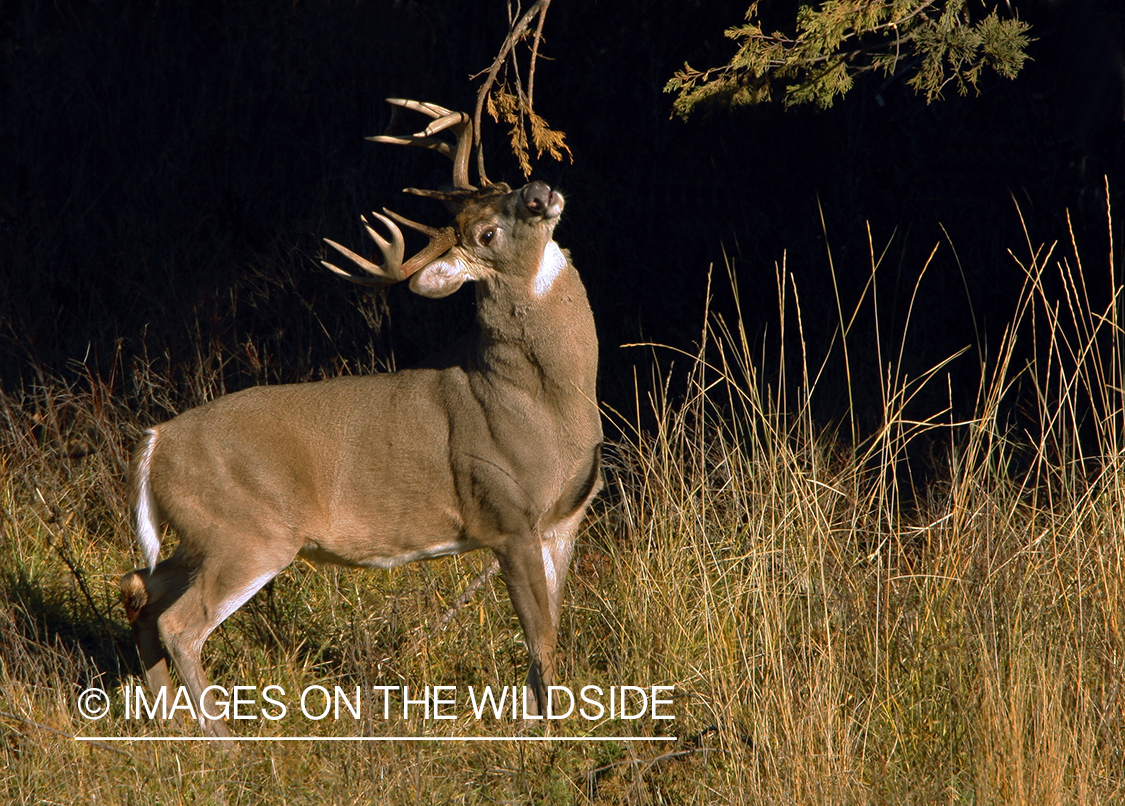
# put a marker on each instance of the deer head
(489, 221)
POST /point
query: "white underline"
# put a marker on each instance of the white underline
(377, 738)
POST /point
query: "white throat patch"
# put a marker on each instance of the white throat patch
(551, 264)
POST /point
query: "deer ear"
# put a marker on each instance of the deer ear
(440, 278)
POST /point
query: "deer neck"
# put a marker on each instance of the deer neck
(539, 335)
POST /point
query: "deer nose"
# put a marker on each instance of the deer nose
(537, 196)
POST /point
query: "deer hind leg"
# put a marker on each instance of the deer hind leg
(146, 595)
(186, 602)
(216, 591)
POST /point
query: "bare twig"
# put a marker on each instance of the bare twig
(61, 548)
(49, 729)
(469, 592)
(535, 55)
(517, 32)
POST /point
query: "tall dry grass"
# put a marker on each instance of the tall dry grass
(927, 611)
(873, 636)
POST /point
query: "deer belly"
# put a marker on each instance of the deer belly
(424, 553)
(388, 554)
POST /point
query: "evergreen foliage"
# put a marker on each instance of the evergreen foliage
(510, 108)
(928, 43)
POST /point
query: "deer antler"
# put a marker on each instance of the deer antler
(462, 126)
(394, 270)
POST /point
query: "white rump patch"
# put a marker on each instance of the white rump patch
(147, 529)
(550, 266)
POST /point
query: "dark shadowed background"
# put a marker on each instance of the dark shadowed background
(168, 170)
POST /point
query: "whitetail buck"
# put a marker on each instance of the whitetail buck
(499, 448)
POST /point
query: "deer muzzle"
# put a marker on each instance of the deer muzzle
(539, 199)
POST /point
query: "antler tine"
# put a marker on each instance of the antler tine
(393, 270)
(462, 126)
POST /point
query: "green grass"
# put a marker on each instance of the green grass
(839, 627)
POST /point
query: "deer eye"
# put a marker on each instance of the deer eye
(487, 236)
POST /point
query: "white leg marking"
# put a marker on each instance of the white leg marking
(147, 534)
(551, 264)
(549, 566)
(230, 605)
(558, 549)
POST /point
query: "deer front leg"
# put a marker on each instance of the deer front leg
(558, 549)
(522, 564)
